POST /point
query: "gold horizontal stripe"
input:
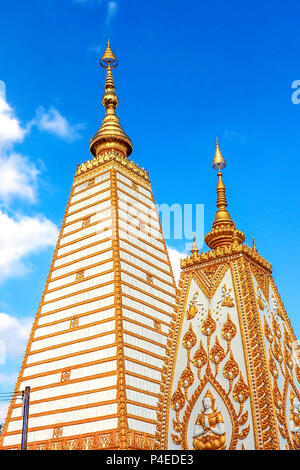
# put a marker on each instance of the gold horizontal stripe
(92, 224)
(99, 201)
(83, 258)
(86, 215)
(137, 218)
(66, 356)
(144, 351)
(148, 294)
(65, 410)
(140, 418)
(144, 364)
(143, 325)
(145, 392)
(71, 367)
(73, 294)
(79, 340)
(85, 189)
(142, 405)
(135, 335)
(133, 189)
(96, 193)
(130, 229)
(140, 301)
(70, 395)
(84, 237)
(138, 209)
(154, 286)
(123, 250)
(64, 424)
(101, 297)
(78, 315)
(142, 250)
(71, 330)
(73, 381)
(73, 283)
(149, 206)
(155, 276)
(98, 242)
(89, 266)
(146, 315)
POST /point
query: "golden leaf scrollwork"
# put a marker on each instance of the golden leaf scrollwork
(268, 331)
(190, 339)
(260, 303)
(217, 352)
(279, 313)
(244, 433)
(287, 338)
(177, 426)
(176, 439)
(187, 377)
(227, 302)
(191, 312)
(272, 366)
(297, 371)
(231, 368)
(277, 351)
(228, 329)
(276, 328)
(200, 357)
(243, 419)
(241, 390)
(277, 398)
(209, 325)
(288, 359)
(178, 400)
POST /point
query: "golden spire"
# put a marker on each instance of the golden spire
(110, 135)
(224, 232)
(194, 248)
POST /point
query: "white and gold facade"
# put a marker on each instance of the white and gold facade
(120, 359)
(233, 376)
(97, 348)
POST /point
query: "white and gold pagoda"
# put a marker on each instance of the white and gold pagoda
(97, 348)
(232, 381)
(120, 359)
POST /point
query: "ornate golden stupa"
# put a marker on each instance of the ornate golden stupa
(97, 348)
(118, 358)
(232, 378)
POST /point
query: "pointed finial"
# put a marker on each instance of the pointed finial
(111, 135)
(253, 245)
(218, 162)
(194, 248)
(108, 59)
(223, 231)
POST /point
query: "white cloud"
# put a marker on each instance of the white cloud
(14, 333)
(112, 8)
(17, 174)
(175, 257)
(18, 178)
(54, 122)
(20, 237)
(11, 130)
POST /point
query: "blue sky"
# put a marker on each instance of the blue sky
(188, 72)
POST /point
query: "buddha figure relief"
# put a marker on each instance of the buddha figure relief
(209, 433)
(295, 421)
